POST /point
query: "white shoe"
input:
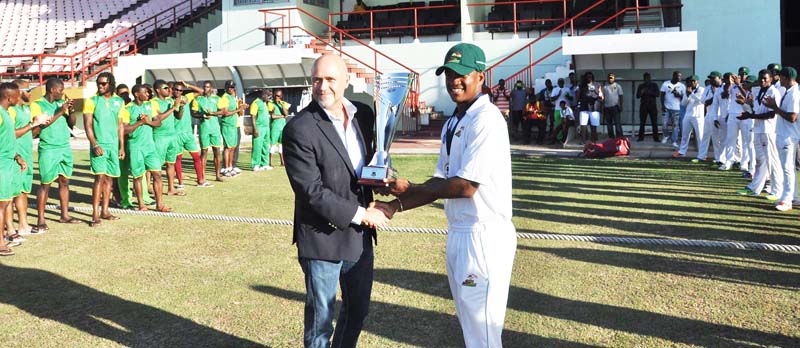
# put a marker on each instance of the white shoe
(237, 170)
(267, 168)
(724, 167)
(223, 171)
(257, 169)
(783, 206)
(675, 145)
(664, 141)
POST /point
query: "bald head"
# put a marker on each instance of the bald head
(330, 80)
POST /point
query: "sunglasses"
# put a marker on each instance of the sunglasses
(102, 83)
(164, 87)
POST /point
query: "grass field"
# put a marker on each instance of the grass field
(161, 282)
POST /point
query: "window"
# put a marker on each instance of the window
(320, 3)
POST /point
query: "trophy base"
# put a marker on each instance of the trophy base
(374, 175)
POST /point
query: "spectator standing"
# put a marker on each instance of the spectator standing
(501, 97)
(590, 98)
(612, 106)
(518, 101)
(672, 92)
(647, 94)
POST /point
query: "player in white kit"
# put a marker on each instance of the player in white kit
(767, 161)
(788, 134)
(695, 111)
(473, 175)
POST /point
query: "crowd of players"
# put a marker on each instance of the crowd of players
(133, 134)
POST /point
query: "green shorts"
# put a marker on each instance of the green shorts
(143, 159)
(230, 135)
(26, 177)
(187, 142)
(167, 148)
(54, 162)
(108, 163)
(276, 131)
(210, 138)
(9, 180)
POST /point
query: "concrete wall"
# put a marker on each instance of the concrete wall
(190, 39)
(725, 46)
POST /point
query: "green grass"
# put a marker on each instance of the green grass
(158, 282)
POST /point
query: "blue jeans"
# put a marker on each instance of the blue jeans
(321, 279)
(671, 125)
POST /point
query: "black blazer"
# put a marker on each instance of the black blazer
(325, 186)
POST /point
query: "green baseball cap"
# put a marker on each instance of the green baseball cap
(750, 79)
(774, 67)
(744, 70)
(715, 74)
(463, 58)
(789, 72)
(693, 78)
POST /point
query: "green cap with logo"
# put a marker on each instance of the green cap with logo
(774, 67)
(463, 58)
(789, 72)
(693, 78)
(750, 79)
(714, 74)
(744, 70)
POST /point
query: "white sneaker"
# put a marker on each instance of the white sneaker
(783, 206)
(267, 168)
(257, 169)
(675, 145)
(724, 167)
(223, 171)
(664, 141)
(237, 170)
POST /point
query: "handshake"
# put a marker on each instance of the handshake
(379, 213)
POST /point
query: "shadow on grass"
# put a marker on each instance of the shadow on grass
(678, 266)
(47, 295)
(422, 328)
(680, 330)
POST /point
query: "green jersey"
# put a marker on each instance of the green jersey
(56, 135)
(230, 103)
(8, 138)
(259, 108)
(22, 117)
(142, 136)
(105, 117)
(167, 127)
(206, 105)
(184, 124)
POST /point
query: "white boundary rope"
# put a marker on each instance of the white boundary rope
(523, 235)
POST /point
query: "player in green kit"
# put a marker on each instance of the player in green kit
(261, 143)
(184, 134)
(11, 164)
(207, 106)
(139, 118)
(278, 110)
(106, 135)
(25, 128)
(231, 106)
(164, 135)
(55, 154)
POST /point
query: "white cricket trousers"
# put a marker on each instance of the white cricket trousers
(689, 123)
(722, 139)
(748, 154)
(787, 150)
(479, 263)
(709, 137)
(768, 165)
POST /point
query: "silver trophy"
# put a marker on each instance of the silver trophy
(391, 91)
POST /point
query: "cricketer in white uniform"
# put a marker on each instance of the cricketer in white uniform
(695, 111)
(473, 175)
(788, 134)
(712, 114)
(735, 128)
(767, 160)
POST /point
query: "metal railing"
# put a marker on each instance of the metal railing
(526, 73)
(286, 28)
(81, 66)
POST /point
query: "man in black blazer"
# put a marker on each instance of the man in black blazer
(325, 147)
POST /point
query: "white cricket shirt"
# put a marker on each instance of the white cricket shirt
(479, 152)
